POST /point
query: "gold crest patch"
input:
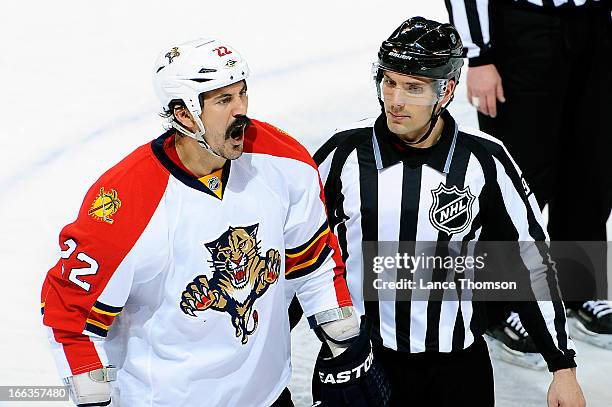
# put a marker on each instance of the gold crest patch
(105, 206)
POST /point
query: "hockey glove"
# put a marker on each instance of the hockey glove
(91, 388)
(354, 378)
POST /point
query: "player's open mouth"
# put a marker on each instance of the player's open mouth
(240, 276)
(237, 128)
(238, 135)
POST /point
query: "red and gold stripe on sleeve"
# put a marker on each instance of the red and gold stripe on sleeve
(100, 319)
(308, 257)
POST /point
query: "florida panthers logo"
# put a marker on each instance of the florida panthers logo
(173, 53)
(240, 276)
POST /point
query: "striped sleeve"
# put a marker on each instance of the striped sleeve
(306, 258)
(87, 288)
(330, 165)
(323, 157)
(101, 318)
(514, 207)
(471, 18)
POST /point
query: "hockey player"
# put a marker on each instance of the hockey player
(391, 179)
(172, 284)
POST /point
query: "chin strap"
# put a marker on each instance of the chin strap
(197, 136)
(432, 123)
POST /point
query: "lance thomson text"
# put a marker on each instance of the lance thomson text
(406, 272)
(462, 283)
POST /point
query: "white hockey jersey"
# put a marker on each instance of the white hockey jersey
(184, 283)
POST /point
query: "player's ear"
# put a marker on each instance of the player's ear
(183, 116)
(450, 88)
(252, 230)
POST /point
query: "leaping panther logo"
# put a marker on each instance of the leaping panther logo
(240, 276)
(173, 53)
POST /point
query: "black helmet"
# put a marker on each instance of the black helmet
(423, 47)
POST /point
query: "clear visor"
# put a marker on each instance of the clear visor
(394, 88)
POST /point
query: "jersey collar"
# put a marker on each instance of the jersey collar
(179, 173)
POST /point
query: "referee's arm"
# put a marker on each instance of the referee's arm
(544, 320)
(471, 19)
(323, 157)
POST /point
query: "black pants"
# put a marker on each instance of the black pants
(556, 75)
(462, 378)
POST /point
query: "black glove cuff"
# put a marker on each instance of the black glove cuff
(349, 365)
(354, 378)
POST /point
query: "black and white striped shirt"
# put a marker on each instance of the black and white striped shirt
(375, 192)
(471, 18)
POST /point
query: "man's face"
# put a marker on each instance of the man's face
(224, 117)
(408, 102)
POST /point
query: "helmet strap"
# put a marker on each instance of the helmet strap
(197, 136)
(433, 120)
(432, 123)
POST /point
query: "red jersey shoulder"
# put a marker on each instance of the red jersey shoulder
(264, 138)
(115, 212)
(137, 181)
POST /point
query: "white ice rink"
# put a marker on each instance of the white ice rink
(75, 79)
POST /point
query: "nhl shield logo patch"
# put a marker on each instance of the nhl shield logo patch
(451, 211)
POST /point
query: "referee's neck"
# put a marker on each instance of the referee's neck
(433, 138)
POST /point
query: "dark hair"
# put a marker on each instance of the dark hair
(168, 112)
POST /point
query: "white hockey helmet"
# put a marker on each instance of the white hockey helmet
(187, 70)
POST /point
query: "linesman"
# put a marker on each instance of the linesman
(391, 179)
